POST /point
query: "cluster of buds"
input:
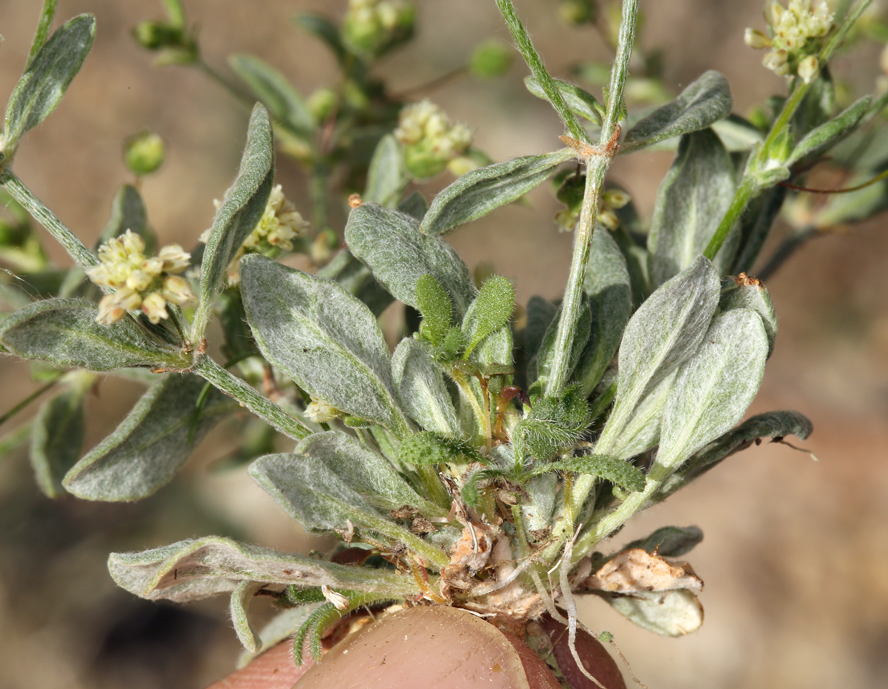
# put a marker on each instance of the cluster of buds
(373, 26)
(797, 35)
(321, 412)
(279, 225)
(570, 192)
(430, 139)
(139, 281)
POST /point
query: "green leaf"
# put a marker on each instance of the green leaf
(669, 541)
(310, 492)
(152, 443)
(274, 91)
(609, 288)
(324, 339)
(552, 424)
(642, 432)
(747, 293)
(484, 189)
(668, 613)
(691, 201)
(489, 312)
(540, 366)
(65, 333)
(241, 208)
(737, 133)
(392, 246)
(387, 176)
(703, 102)
(47, 77)
(618, 472)
(822, 138)
(775, 424)
(427, 448)
(357, 280)
(193, 569)
(579, 101)
(421, 389)
(57, 435)
(436, 308)
(325, 30)
(663, 333)
(241, 598)
(715, 387)
(540, 314)
(414, 205)
(368, 473)
(280, 627)
(128, 213)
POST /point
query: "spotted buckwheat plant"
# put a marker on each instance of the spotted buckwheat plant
(486, 463)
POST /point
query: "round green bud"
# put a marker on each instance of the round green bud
(578, 12)
(144, 152)
(491, 59)
(321, 103)
(157, 35)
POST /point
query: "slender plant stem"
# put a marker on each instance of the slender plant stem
(82, 256)
(744, 194)
(597, 161)
(260, 405)
(15, 439)
(30, 398)
(43, 27)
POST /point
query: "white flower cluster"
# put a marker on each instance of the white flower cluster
(797, 33)
(429, 138)
(279, 225)
(139, 281)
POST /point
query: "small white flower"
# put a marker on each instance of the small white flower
(174, 259)
(178, 290)
(154, 306)
(756, 39)
(321, 412)
(809, 68)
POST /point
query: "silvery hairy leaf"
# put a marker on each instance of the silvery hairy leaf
(580, 101)
(715, 387)
(357, 280)
(706, 100)
(421, 389)
(775, 424)
(664, 332)
(128, 213)
(47, 77)
(152, 443)
(241, 598)
(414, 205)
(387, 175)
(489, 312)
(391, 245)
(308, 490)
(668, 613)
(271, 87)
(829, 133)
(691, 201)
(65, 333)
(540, 314)
(669, 541)
(194, 569)
(742, 292)
(737, 133)
(609, 288)
(57, 435)
(642, 432)
(283, 625)
(484, 189)
(241, 208)
(323, 338)
(368, 473)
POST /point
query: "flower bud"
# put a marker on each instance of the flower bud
(491, 59)
(808, 69)
(154, 306)
(157, 35)
(174, 259)
(178, 290)
(143, 153)
(756, 39)
(371, 27)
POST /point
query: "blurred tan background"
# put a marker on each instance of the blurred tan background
(795, 555)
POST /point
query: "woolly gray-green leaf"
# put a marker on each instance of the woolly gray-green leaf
(57, 437)
(669, 541)
(829, 133)
(47, 77)
(540, 366)
(668, 613)
(742, 292)
(435, 307)
(310, 492)
(691, 201)
(715, 387)
(414, 205)
(775, 424)
(152, 443)
(240, 210)
(128, 213)
(484, 189)
(608, 286)
(664, 332)
(618, 472)
(366, 472)
(489, 312)
(642, 431)
(421, 388)
(704, 101)
(580, 101)
(65, 333)
(540, 314)
(193, 569)
(357, 280)
(277, 94)
(239, 607)
(323, 338)
(392, 246)
(387, 176)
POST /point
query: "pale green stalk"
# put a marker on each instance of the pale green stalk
(43, 27)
